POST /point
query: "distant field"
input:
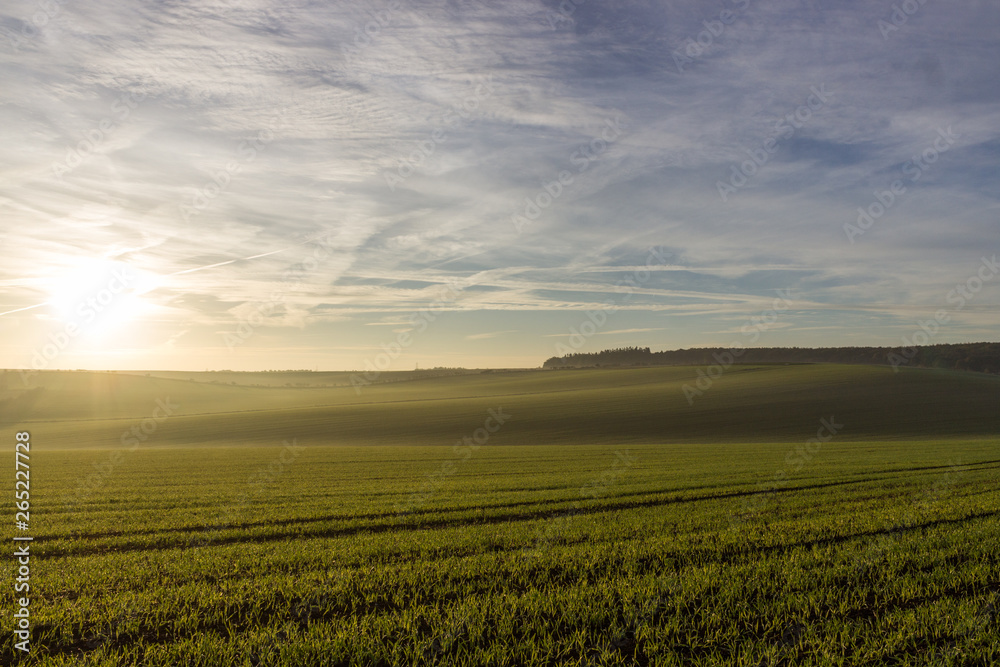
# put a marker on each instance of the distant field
(604, 522)
(615, 406)
(299, 378)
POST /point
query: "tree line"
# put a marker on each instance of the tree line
(980, 357)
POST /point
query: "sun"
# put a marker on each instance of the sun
(98, 298)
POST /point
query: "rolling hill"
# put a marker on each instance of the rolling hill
(616, 406)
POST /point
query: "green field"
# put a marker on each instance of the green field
(604, 521)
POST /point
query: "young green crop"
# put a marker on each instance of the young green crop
(852, 561)
(606, 524)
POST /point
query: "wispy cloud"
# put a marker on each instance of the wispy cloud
(616, 332)
(486, 336)
(209, 145)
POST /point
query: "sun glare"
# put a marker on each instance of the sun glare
(98, 298)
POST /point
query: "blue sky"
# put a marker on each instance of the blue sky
(293, 185)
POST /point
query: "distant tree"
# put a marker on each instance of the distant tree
(981, 357)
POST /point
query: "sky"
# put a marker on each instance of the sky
(255, 185)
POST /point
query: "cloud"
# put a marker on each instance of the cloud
(616, 332)
(212, 145)
(486, 336)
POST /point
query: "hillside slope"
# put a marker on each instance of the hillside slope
(613, 406)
